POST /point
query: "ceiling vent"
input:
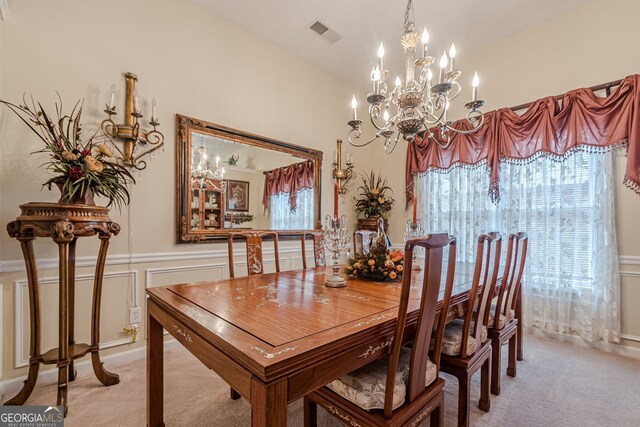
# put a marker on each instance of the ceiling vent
(323, 31)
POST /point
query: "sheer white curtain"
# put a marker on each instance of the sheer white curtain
(283, 218)
(571, 282)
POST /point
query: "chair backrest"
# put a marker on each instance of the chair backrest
(434, 246)
(485, 276)
(318, 248)
(512, 276)
(362, 241)
(254, 240)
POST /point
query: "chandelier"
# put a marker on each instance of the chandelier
(420, 103)
(202, 169)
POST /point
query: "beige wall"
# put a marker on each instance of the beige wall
(593, 44)
(193, 63)
(197, 64)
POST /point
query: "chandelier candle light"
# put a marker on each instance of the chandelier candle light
(336, 240)
(419, 104)
(203, 169)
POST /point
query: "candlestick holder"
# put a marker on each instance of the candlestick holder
(413, 230)
(336, 241)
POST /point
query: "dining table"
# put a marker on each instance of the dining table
(275, 337)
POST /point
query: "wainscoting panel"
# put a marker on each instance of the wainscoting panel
(115, 303)
(185, 274)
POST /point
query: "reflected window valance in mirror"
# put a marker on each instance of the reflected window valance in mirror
(232, 180)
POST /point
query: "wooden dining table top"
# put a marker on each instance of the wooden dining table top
(273, 322)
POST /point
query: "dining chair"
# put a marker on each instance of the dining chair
(318, 248)
(255, 260)
(504, 309)
(465, 347)
(402, 387)
(254, 242)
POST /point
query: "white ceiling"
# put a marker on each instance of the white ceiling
(363, 24)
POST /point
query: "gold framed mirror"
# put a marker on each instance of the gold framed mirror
(231, 180)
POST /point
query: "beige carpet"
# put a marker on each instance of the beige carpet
(558, 384)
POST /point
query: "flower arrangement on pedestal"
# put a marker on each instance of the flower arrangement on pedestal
(80, 168)
(379, 265)
(373, 200)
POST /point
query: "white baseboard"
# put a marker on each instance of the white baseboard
(620, 349)
(50, 376)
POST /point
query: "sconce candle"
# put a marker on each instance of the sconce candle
(137, 142)
(112, 102)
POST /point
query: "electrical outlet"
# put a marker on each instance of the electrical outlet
(135, 315)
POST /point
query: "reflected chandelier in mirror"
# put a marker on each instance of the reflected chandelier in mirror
(230, 180)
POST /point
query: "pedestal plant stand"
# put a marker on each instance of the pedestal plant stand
(64, 224)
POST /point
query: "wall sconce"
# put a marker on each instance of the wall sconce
(138, 142)
(342, 176)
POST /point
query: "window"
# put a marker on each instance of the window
(283, 218)
(566, 207)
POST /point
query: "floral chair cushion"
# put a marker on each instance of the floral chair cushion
(452, 339)
(366, 386)
(501, 321)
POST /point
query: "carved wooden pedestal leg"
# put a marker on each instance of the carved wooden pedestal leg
(63, 326)
(26, 243)
(105, 377)
(72, 297)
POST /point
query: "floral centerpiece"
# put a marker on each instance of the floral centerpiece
(80, 168)
(374, 199)
(378, 265)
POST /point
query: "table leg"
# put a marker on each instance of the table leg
(72, 297)
(63, 327)
(520, 326)
(34, 313)
(155, 375)
(268, 403)
(105, 377)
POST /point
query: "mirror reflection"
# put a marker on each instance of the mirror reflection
(245, 187)
(229, 179)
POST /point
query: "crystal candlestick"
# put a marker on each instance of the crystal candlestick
(414, 230)
(336, 240)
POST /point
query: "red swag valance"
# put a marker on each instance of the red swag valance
(289, 179)
(579, 121)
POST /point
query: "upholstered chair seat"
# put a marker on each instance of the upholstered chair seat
(501, 321)
(366, 386)
(452, 339)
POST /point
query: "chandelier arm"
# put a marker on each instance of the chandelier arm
(437, 119)
(395, 143)
(356, 134)
(470, 131)
(373, 116)
(458, 90)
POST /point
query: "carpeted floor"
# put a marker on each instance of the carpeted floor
(558, 384)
